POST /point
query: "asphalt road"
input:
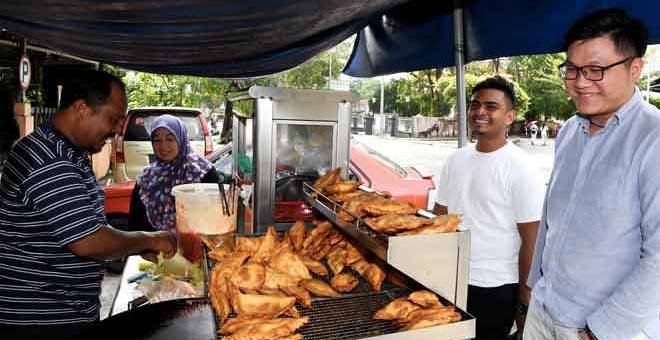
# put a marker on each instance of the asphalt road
(428, 156)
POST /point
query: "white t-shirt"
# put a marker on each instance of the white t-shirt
(494, 191)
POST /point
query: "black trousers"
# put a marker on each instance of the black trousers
(494, 308)
(55, 332)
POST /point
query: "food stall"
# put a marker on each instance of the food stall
(293, 141)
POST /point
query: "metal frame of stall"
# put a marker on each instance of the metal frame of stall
(273, 106)
(440, 262)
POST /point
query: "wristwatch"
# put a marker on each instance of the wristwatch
(522, 307)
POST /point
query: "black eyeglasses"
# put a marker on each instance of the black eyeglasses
(590, 72)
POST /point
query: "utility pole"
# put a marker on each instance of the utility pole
(329, 71)
(382, 94)
(649, 69)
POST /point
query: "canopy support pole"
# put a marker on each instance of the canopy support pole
(459, 55)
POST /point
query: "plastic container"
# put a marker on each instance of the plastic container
(199, 212)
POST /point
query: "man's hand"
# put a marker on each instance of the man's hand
(161, 242)
(524, 297)
(150, 256)
(520, 322)
(584, 335)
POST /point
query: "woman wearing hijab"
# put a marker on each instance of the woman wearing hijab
(152, 203)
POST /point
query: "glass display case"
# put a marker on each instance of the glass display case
(296, 136)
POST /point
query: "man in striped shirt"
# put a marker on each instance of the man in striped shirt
(53, 232)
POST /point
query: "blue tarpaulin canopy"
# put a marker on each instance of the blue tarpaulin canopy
(197, 37)
(419, 34)
(426, 34)
(229, 38)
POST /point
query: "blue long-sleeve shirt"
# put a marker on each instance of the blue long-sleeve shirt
(597, 258)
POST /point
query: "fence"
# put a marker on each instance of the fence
(42, 114)
(417, 126)
(435, 127)
(406, 125)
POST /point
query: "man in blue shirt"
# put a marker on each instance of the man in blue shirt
(53, 232)
(596, 270)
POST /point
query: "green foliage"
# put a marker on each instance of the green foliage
(539, 77)
(655, 102)
(316, 72)
(146, 89)
(312, 74)
(365, 88)
(539, 89)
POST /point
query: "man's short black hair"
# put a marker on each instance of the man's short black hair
(629, 35)
(497, 83)
(93, 86)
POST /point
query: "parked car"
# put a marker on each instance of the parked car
(132, 149)
(371, 167)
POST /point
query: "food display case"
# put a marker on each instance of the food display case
(290, 137)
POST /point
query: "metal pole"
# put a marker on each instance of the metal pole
(459, 55)
(23, 47)
(4, 42)
(649, 70)
(329, 71)
(382, 94)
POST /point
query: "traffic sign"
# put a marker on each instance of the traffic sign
(24, 72)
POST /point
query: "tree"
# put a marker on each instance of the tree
(317, 72)
(429, 91)
(539, 77)
(655, 102)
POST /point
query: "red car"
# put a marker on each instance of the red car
(372, 168)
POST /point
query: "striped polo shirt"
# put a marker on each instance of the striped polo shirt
(49, 198)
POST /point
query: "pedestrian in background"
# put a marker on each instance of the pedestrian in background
(544, 134)
(533, 129)
(500, 194)
(596, 272)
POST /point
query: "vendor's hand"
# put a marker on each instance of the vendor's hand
(161, 242)
(150, 256)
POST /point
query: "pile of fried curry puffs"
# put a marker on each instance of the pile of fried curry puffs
(261, 278)
(387, 215)
(420, 309)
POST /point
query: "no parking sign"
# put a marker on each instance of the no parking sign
(24, 72)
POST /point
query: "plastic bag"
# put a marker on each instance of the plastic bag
(167, 289)
(176, 267)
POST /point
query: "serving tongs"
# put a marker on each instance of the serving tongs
(223, 196)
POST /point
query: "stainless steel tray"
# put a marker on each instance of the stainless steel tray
(438, 261)
(351, 316)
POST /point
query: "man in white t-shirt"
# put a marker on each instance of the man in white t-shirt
(501, 197)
